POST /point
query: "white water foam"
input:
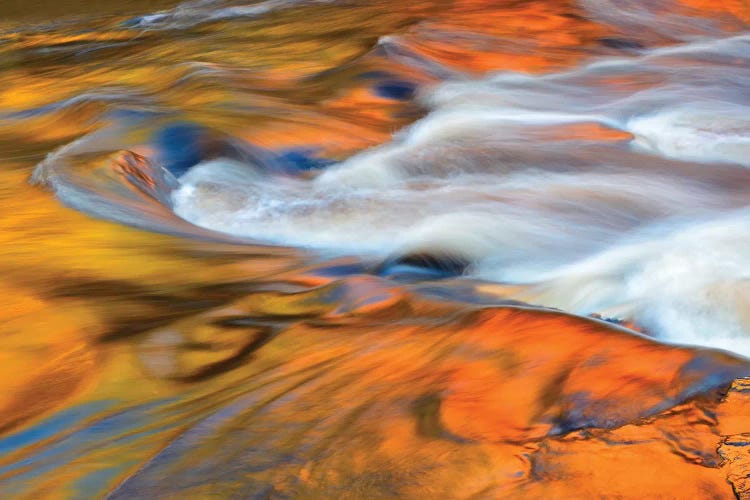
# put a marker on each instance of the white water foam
(194, 12)
(715, 132)
(652, 229)
(689, 283)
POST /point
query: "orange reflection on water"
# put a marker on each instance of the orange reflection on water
(280, 377)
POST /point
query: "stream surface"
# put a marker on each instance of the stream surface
(352, 249)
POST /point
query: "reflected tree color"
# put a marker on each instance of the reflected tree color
(148, 354)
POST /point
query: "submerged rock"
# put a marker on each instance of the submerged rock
(372, 388)
(734, 425)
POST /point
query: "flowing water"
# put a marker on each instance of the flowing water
(351, 249)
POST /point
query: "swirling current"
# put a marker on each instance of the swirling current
(375, 249)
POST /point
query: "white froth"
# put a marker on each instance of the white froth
(689, 284)
(631, 231)
(704, 132)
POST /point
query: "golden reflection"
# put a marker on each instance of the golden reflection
(147, 365)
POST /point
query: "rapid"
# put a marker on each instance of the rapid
(349, 249)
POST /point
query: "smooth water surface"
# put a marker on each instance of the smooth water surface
(331, 249)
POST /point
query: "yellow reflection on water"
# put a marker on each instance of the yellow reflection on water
(241, 357)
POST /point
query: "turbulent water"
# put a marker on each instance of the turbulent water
(314, 246)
